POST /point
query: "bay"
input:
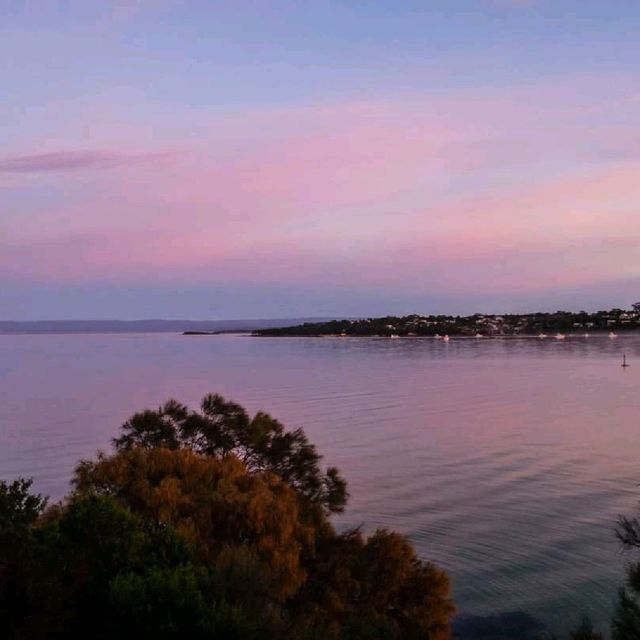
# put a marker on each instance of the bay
(506, 461)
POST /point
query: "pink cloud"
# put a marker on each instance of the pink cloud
(83, 160)
(502, 191)
(555, 233)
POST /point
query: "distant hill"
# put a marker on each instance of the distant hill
(145, 326)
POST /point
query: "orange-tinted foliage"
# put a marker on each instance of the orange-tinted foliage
(215, 503)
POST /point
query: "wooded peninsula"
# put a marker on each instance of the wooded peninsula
(479, 324)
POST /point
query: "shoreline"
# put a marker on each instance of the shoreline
(452, 337)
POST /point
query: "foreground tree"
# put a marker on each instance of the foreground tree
(93, 569)
(373, 587)
(229, 514)
(626, 620)
(208, 525)
(19, 588)
(223, 428)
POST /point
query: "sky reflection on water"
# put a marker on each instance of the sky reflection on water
(505, 461)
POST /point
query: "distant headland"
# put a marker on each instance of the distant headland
(556, 323)
(146, 326)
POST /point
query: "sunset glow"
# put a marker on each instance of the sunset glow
(322, 168)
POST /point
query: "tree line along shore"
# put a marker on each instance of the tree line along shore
(485, 325)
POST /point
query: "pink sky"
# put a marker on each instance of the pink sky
(522, 187)
(373, 190)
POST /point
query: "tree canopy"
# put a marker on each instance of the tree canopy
(626, 620)
(222, 427)
(216, 504)
(208, 525)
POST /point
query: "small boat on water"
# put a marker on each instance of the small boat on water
(612, 335)
(586, 335)
(479, 335)
(542, 335)
(437, 336)
(624, 364)
(446, 338)
(394, 335)
(560, 336)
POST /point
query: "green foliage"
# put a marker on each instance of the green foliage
(207, 525)
(486, 324)
(626, 619)
(19, 587)
(222, 427)
(97, 570)
(374, 585)
(217, 504)
(18, 508)
(174, 603)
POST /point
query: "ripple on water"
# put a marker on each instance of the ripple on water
(505, 461)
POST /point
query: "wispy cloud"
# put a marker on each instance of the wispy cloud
(58, 161)
(511, 192)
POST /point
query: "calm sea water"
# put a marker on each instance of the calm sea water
(505, 461)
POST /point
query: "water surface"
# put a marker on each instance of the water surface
(505, 461)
